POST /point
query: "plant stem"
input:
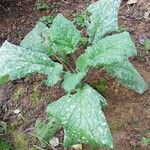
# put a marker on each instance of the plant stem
(67, 67)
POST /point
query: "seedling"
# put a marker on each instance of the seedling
(40, 5)
(47, 20)
(80, 19)
(79, 112)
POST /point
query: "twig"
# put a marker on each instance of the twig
(146, 5)
(65, 65)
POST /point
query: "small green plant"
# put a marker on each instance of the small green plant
(4, 145)
(79, 112)
(101, 85)
(47, 20)
(40, 5)
(36, 96)
(80, 19)
(145, 141)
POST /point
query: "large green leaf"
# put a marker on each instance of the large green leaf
(64, 35)
(103, 19)
(72, 80)
(127, 75)
(82, 118)
(38, 39)
(46, 129)
(18, 62)
(111, 49)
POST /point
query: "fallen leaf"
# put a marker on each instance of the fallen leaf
(77, 147)
(131, 2)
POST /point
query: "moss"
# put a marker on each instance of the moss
(19, 93)
(100, 85)
(36, 95)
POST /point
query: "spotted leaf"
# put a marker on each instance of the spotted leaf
(127, 75)
(72, 80)
(103, 18)
(111, 49)
(45, 130)
(38, 39)
(65, 37)
(82, 118)
(18, 62)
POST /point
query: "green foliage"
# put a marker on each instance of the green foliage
(19, 141)
(40, 5)
(101, 85)
(145, 141)
(80, 19)
(45, 50)
(20, 62)
(77, 109)
(65, 37)
(47, 20)
(4, 79)
(36, 96)
(72, 80)
(46, 129)
(103, 19)
(4, 145)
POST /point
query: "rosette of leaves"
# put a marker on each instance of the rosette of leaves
(44, 50)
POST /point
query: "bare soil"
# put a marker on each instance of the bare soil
(128, 113)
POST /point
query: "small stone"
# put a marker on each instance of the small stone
(17, 111)
(54, 141)
(131, 2)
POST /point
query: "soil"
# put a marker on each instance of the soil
(128, 113)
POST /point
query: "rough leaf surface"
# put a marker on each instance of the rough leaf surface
(64, 35)
(38, 39)
(127, 75)
(82, 118)
(72, 80)
(18, 62)
(45, 130)
(103, 19)
(111, 49)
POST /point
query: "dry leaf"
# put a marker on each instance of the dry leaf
(77, 147)
(130, 2)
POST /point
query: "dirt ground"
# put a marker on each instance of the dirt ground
(128, 113)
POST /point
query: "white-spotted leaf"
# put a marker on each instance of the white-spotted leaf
(82, 118)
(127, 75)
(72, 80)
(103, 18)
(18, 62)
(114, 48)
(38, 39)
(65, 37)
(45, 130)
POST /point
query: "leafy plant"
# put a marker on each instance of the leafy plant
(80, 19)
(44, 50)
(4, 145)
(40, 5)
(145, 141)
(47, 20)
